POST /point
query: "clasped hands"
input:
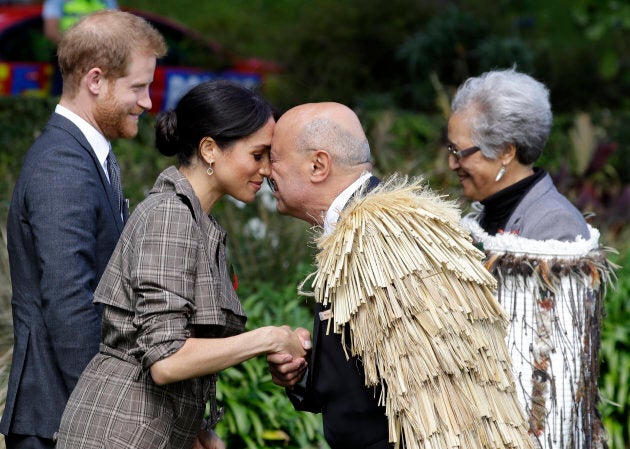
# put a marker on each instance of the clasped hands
(288, 369)
(287, 366)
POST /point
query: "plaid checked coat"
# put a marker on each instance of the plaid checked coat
(167, 281)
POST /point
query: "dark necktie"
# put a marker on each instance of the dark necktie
(114, 178)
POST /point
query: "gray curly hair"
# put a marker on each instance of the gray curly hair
(507, 107)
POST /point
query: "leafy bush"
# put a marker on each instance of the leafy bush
(22, 121)
(615, 353)
(257, 412)
(453, 45)
(263, 245)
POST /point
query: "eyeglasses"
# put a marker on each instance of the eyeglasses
(460, 154)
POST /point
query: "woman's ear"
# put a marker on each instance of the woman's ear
(321, 165)
(207, 148)
(508, 155)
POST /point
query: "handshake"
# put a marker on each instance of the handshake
(288, 365)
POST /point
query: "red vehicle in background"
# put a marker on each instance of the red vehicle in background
(27, 58)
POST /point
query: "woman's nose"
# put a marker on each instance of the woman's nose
(265, 168)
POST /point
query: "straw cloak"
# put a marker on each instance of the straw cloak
(405, 278)
(553, 292)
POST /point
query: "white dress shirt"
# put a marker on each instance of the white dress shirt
(99, 143)
(332, 214)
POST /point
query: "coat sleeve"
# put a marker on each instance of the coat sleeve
(302, 397)
(163, 280)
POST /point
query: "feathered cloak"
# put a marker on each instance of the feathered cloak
(553, 292)
(405, 278)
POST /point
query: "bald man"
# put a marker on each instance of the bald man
(406, 328)
(320, 157)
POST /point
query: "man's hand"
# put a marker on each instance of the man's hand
(207, 439)
(285, 370)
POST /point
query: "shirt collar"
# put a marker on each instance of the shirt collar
(97, 141)
(332, 214)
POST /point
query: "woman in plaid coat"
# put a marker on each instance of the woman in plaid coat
(171, 317)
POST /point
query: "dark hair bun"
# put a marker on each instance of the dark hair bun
(166, 133)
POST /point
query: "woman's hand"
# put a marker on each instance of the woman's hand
(287, 370)
(295, 343)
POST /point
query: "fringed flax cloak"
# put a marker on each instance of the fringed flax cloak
(553, 292)
(401, 273)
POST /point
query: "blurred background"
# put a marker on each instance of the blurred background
(397, 63)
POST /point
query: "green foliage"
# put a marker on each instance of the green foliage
(22, 121)
(249, 28)
(257, 412)
(454, 45)
(408, 143)
(346, 50)
(263, 245)
(616, 125)
(615, 353)
(607, 24)
(356, 50)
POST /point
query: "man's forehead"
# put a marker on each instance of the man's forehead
(279, 149)
(283, 137)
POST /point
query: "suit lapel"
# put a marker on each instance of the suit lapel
(67, 125)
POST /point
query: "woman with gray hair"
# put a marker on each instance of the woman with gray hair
(550, 268)
(506, 117)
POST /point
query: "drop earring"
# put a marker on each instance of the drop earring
(210, 170)
(500, 174)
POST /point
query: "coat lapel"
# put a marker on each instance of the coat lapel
(67, 125)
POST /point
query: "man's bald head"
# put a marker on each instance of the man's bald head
(317, 151)
(328, 126)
